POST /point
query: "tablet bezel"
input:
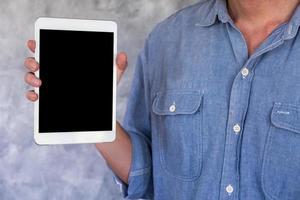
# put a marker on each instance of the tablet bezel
(75, 137)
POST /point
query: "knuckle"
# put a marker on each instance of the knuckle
(31, 63)
(26, 62)
(29, 78)
(26, 77)
(31, 96)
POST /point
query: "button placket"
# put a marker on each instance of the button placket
(238, 106)
(239, 99)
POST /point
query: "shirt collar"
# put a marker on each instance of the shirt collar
(211, 10)
(293, 25)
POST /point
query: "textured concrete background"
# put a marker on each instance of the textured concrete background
(72, 172)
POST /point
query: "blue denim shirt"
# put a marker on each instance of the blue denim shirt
(208, 121)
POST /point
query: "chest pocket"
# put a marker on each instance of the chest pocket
(281, 166)
(178, 117)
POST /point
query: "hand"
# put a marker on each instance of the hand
(31, 65)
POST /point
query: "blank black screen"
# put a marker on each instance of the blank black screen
(76, 69)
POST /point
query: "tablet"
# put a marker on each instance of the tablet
(77, 98)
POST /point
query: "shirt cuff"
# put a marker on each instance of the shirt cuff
(137, 187)
(140, 183)
(123, 187)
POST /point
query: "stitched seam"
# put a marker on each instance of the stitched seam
(164, 163)
(140, 172)
(159, 95)
(286, 105)
(286, 126)
(278, 123)
(265, 162)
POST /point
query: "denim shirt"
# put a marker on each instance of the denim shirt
(207, 121)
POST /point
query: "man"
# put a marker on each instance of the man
(214, 111)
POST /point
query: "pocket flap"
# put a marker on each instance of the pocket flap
(174, 102)
(286, 116)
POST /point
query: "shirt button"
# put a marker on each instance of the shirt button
(245, 72)
(237, 128)
(229, 189)
(172, 108)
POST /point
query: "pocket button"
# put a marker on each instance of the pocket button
(172, 108)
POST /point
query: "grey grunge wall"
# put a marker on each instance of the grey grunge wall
(28, 171)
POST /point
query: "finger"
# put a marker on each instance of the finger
(31, 45)
(121, 64)
(32, 80)
(32, 96)
(122, 61)
(31, 64)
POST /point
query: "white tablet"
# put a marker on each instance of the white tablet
(77, 99)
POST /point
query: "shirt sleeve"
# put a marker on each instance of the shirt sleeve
(137, 124)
